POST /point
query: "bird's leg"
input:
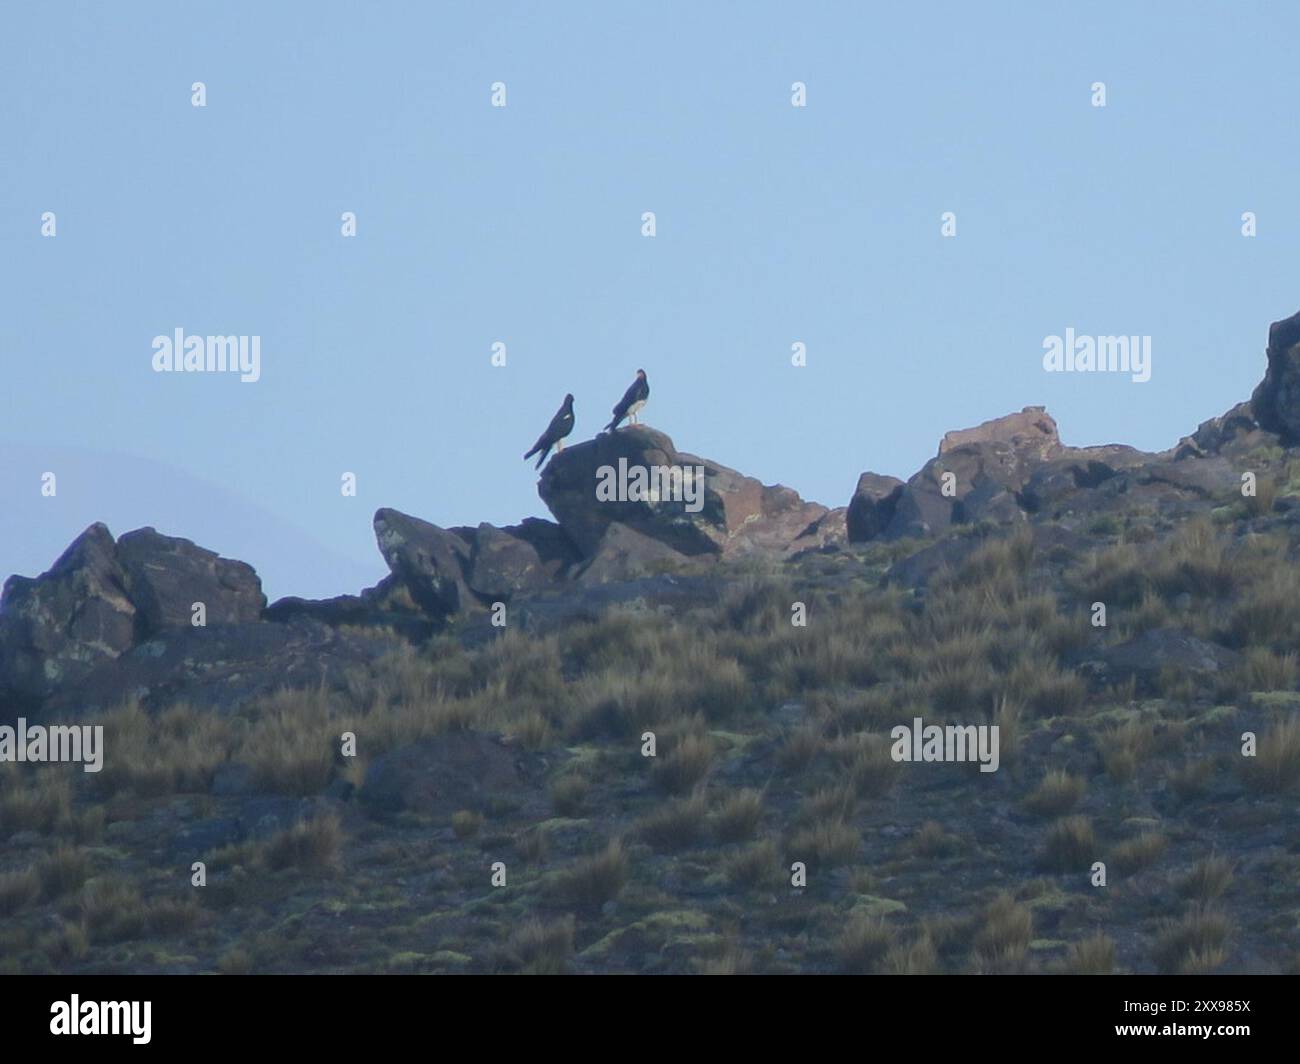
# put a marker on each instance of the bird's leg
(559, 446)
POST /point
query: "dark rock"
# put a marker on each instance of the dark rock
(224, 667)
(625, 554)
(196, 840)
(342, 609)
(439, 776)
(233, 779)
(1053, 486)
(1276, 400)
(978, 475)
(728, 514)
(63, 624)
(1212, 478)
(502, 565)
(340, 790)
(1031, 434)
(1147, 654)
(666, 594)
(261, 817)
(556, 550)
(429, 561)
(931, 502)
(167, 575)
(386, 606)
(917, 570)
(872, 506)
(1235, 432)
(828, 532)
(949, 554)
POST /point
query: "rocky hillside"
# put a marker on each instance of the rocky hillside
(499, 683)
(112, 618)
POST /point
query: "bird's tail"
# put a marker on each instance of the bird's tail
(612, 425)
(531, 453)
(542, 458)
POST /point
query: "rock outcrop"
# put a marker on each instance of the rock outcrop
(461, 570)
(626, 554)
(166, 576)
(1015, 469)
(692, 505)
(639, 525)
(1153, 652)
(977, 475)
(1276, 401)
(439, 776)
(59, 626)
(222, 667)
(63, 632)
(430, 562)
(1032, 434)
(872, 507)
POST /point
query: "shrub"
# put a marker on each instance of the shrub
(310, 845)
(676, 824)
(831, 843)
(685, 766)
(738, 817)
(592, 881)
(1193, 944)
(1002, 942)
(62, 872)
(1058, 792)
(1094, 955)
(543, 947)
(863, 945)
(1135, 854)
(755, 866)
(1207, 881)
(1071, 845)
(1276, 765)
(569, 795)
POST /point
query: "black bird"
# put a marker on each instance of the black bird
(561, 425)
(633, 400)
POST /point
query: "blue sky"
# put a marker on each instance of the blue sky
(522, 225)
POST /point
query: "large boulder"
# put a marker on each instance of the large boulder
(61, 625)
(977, 475)
(698, 508)
(872, 506)
(1159, 650)
(1276, 401)
(626, 554)
(1234, 433)
(387, 606)
(442, 571)
(167, 576)
(1055, 486)
(963, 485)
(224, 667)
(440, 776)
(553, 546)
(1031, 433)
(502, 565)
(430, 562)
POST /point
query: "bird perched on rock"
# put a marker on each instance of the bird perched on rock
(633, 400)
(561, 425)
